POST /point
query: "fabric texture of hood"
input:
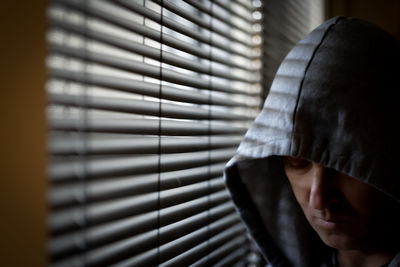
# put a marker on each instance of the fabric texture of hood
(334, 101)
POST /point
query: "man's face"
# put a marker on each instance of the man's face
(345, 212)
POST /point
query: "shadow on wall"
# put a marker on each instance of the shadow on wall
(385, 14)
(285, 22)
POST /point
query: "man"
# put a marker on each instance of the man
(316, 177)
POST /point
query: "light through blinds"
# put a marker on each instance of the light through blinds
(147, 102)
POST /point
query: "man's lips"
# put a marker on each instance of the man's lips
(329, 216)
(331, 223)
(332, 220)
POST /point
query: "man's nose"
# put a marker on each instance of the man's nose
(321, 187)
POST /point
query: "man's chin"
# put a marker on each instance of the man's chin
(340, 241)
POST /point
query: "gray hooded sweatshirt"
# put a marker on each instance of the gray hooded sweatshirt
(335, 101)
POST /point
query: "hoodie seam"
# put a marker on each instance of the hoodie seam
(304, 76)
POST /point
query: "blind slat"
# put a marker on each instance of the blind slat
(248, 5)
(144, 88)
(68, 144)
(109, 232)
(144, 107)
(125, 248)
(65, 246)
(197, 35)
(178, 229)
(120, 16)
(139, 67)
(96, 33)
(149, 258)
(174, 248)
(64, 195)
(148, 70)
(232, 258)
(95, 213)
(142, 126)
(93, 167)
(220, 252)
(208, 8)
(246, 17)
(170, 5)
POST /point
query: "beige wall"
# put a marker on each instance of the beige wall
(385, 13)
(22, 135)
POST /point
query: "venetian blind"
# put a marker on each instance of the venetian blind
(147, 102)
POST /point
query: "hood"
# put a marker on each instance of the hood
(334, 101)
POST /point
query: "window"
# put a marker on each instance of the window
(147, 102)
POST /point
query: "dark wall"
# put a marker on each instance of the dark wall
(385, 14)
(284, 22)
(22, 135)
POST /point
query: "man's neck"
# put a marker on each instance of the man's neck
(359, 258)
